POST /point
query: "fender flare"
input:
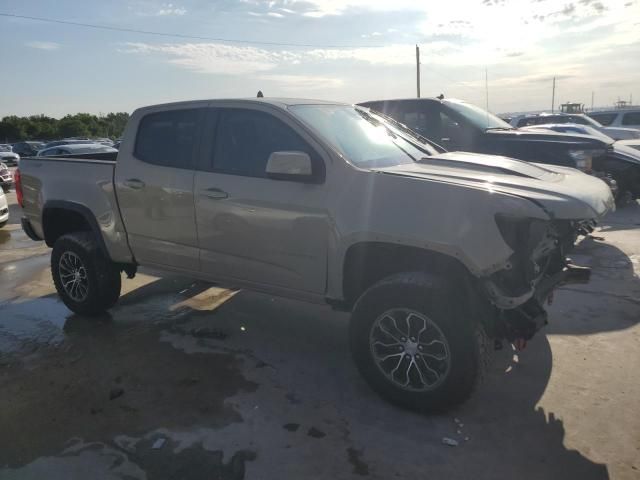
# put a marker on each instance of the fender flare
(85, 212)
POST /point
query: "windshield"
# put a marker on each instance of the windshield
(363, 138)
(477, 116)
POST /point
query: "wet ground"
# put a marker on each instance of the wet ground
(185, 380)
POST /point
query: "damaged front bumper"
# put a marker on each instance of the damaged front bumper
(519, 290)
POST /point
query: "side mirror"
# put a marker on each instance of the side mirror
(295, 166)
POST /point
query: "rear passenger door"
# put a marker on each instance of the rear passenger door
(254, 229)
(154, 181)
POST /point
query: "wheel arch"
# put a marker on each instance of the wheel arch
(366, 263)
(60, 217)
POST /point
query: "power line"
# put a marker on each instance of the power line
(180, 35)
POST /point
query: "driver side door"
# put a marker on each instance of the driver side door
(253, 229)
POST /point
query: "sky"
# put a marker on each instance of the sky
(345, 50)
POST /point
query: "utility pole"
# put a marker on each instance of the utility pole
(418, 70)
(553, 95)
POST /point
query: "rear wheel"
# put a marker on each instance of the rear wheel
(415, 344)
(87, 282)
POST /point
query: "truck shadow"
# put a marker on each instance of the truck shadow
(611, 299)
(509, 436)
(296, 358)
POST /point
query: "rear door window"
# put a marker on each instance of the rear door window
(170, 138)
(631, 118)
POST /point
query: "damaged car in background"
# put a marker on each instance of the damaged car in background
(436, 255)
(621, 158)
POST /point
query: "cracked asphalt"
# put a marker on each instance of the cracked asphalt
(188, 380)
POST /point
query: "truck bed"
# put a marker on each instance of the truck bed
(82, 183)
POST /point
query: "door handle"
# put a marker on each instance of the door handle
(134, 183)
(214, 193)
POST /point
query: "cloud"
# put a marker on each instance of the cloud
(171, 9)
(213, 58)
(224, 59)
(43, 45)
(323, 8)
(303, 82)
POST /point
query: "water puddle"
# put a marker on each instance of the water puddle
(35, 322)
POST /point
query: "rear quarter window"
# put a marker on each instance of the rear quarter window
(169, 138)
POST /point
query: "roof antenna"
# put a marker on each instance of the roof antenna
(440, 97)
(260, 95)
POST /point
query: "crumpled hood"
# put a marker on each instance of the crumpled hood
(561, 191)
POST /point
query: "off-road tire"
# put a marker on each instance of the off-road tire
(469, 346)
(103, 277)
(2, 224)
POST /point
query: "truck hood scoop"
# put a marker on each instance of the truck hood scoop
(488, 164)
(476, 167)
(556, 187)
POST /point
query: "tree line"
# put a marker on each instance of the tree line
(41, 127)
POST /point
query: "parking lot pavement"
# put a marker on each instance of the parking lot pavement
(188, 380)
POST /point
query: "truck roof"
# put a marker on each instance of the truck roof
(277, 102)
(410, 99)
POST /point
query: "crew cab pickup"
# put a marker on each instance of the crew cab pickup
(435, 254)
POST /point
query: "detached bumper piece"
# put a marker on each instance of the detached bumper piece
(523, 322)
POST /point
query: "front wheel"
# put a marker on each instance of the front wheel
(415, 344)
(87, 282)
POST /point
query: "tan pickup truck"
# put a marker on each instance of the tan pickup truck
(434, 253)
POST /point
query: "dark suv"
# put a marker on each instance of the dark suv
(458, 125)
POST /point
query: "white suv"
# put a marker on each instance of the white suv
(4, 209)
(617, 133)
(628, 117)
